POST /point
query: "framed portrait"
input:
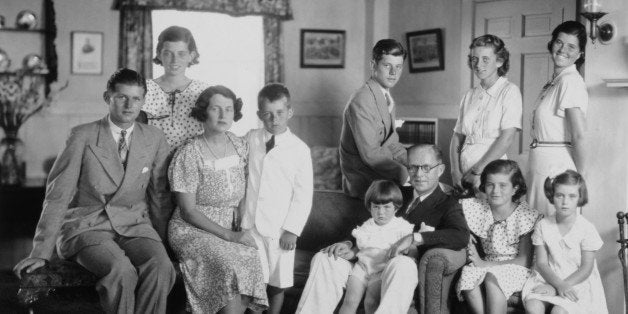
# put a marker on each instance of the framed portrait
(425, 50)
(87, 50)
(322, 48)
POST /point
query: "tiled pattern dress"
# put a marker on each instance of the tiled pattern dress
(214, 270)
(500, 242)
(170, 112)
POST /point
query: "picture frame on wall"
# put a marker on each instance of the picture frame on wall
(425, 50)
(323, 48)
(86, 52)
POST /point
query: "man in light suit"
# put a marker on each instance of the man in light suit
(369, 144)
(107, 204)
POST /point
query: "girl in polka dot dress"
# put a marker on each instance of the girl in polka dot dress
(170, 97)
(566, 279)
(503, 225)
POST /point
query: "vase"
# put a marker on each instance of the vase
(12, 164)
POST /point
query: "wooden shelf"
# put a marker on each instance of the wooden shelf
(616, 83)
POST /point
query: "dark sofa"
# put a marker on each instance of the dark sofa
(65, 287)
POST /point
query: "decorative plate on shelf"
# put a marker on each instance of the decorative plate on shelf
(26, 19)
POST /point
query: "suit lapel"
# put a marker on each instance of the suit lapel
(136, 159)
(107, 154)
(381, 104)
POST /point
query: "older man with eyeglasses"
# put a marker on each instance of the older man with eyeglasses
(438, 222)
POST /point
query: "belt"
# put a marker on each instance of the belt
(536, 143)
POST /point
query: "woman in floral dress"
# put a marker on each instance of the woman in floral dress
(503, 225)
(221, 267)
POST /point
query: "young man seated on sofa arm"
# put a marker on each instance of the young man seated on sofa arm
(438, 221)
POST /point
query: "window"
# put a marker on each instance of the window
(231, 53)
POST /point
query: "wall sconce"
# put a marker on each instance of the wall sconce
(591, 11)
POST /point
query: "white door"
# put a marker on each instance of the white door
(526, 28)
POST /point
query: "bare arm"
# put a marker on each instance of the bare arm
(543, 267)
(524, 258)
(455, 147)
(577, 126)
(496, 151)
(584, 271)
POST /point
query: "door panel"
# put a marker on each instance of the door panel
(526, 28)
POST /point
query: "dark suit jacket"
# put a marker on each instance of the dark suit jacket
(88, 189)
(441, 211)
(369, 145)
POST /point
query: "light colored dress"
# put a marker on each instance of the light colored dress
(500, 242)
(170, 112)
(549, 124)
(483, 114)
(374, 242)
(564, 254)
(214, 270)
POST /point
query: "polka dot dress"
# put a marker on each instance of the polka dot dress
(171, 111)
(500, 242)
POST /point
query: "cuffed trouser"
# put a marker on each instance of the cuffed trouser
(135, 274)
(328, 277)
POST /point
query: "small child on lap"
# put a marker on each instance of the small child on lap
(374, 239)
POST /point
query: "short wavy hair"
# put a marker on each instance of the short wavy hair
(499, 48)
(509, 167)
(199, 111)
(174, 34)
(383, 192)
(388, 47)
(571, 28)
(126, 77)
(568, 177)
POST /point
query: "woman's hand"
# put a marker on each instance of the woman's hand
(545, 289)
(473, 256)
(567, 291)
(243, 237)
(471, 178)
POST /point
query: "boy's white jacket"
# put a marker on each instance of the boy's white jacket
(280, 184)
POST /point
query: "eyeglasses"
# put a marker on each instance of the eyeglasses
(424, 168)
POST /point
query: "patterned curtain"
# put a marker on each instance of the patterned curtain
(136, 40)
(136, 29)
(273, 58)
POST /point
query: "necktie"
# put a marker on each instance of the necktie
(270, 144)
(123, 148)
(413, 205)
(389, 102)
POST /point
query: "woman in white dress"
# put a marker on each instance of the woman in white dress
(490, 113)
(170, 97)
(558, 122)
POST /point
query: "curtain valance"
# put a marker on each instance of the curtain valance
(279, 9)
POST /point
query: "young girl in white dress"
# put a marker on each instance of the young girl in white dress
(374, 239)
(566, 278)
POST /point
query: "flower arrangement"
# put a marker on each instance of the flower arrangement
(21, 97)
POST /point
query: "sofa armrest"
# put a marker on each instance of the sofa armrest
(437, 269)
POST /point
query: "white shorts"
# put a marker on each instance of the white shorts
(277, 263)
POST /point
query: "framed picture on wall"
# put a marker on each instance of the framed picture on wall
(322, 48)
(87, 49)
(426, 51)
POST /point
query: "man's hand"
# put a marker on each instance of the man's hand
(30, 264)
(545, 289)
(401, 246)
(288, 241)
(340, 249)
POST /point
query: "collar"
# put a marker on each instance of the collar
(569, 69)
(279, 138)
(116, 129)
(494, 89)
(415, 194)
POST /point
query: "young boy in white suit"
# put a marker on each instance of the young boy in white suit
(279, 190)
